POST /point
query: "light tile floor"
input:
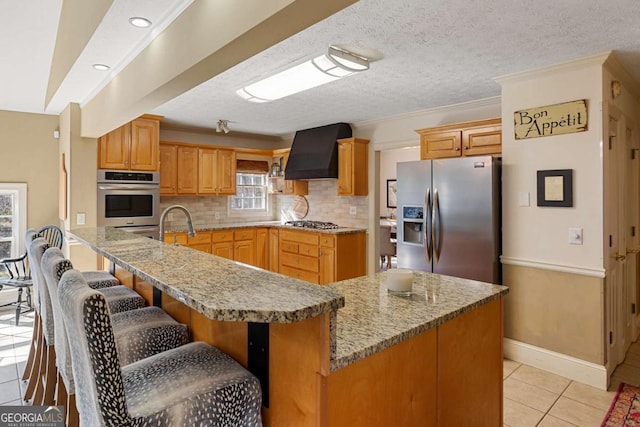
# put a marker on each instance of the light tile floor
(532, 397)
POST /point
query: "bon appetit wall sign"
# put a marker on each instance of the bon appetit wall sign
(557, 119)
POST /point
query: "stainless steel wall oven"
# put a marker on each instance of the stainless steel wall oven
(130, 200)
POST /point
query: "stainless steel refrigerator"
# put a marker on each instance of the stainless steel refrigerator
(449, 217)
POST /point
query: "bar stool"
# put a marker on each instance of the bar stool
(97, 279)
(120, 298)
(139, 333)
(195, 384)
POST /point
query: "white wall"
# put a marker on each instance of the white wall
(539, 234)
(388, 161)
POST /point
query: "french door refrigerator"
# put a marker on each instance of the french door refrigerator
(449, 217)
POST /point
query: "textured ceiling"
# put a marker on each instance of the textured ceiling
(428, 53)
(434, 53)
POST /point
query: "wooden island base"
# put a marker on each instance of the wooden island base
(445, 376)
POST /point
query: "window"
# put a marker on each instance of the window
(13, 219)
(251, 192)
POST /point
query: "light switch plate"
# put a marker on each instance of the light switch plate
(81, 218)
(575, 236)
(523, 199)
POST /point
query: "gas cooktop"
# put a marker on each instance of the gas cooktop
(320, 225)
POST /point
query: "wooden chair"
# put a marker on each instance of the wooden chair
(387, 249)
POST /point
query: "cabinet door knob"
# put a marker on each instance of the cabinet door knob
(457, 149)
(466, 148)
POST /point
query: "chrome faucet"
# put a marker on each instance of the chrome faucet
(186, 213)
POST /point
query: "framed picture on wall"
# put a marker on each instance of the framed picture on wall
(392, 193)
(555, 188)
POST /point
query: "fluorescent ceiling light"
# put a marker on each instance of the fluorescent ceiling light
(101, 67)
(334, 65)
(140, 22)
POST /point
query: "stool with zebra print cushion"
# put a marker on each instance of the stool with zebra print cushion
(138, 333)
(195, 384)
(39, 359)
(97, 278)
(120, 298)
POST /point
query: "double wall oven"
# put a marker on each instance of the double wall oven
(130, 201)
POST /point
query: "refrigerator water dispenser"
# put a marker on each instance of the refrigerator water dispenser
(413, 225)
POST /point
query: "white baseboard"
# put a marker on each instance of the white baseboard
(557, 363)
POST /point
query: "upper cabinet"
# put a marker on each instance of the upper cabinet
(188, 169)
(216, 171)
(476, 138)
(134, 146)
(298, 187)
(352, 167)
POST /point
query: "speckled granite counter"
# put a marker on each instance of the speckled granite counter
(269, 224)
(216, 287)
(368, 319)
(372, 319)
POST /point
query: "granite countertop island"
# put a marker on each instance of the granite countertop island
(333, 353)
(218, 288)
(369, 319)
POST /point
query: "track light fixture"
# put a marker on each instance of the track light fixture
(223, 126)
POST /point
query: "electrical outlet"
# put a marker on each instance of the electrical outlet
(216, 215)
(575, 236)
(170, 216)
(353, 210)
(81, 218)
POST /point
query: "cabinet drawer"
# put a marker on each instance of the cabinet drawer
(299, 274)
(289, 247)
(180, 238)
(299, 261)
(204, 247)
(328, 241)
(299, 236)
(244, 234)
(200, 237)
(308, 250)
(222, 236)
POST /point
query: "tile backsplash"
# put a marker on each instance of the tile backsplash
(324, 205)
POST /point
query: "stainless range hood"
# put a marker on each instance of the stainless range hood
(314, 152)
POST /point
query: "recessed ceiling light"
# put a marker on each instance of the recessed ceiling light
(140, 22)
(101, 67)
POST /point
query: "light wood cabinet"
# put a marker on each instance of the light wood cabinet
(262, 253)
(353, 172)
(187, 170)
(476, 138)
(134, 146)
(222, 243)
(320, 257)
(244, 249)
(216, 171)
(291, 186)
(178, 170)
(168, 169)
(274, 250)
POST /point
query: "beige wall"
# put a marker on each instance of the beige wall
(388, 161)
(30, 154)
(556, 298)
(556, 311)
(81, 163)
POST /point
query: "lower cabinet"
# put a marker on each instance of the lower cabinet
(306, 255)
(320, 257)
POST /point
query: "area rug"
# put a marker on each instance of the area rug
(625, 409)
